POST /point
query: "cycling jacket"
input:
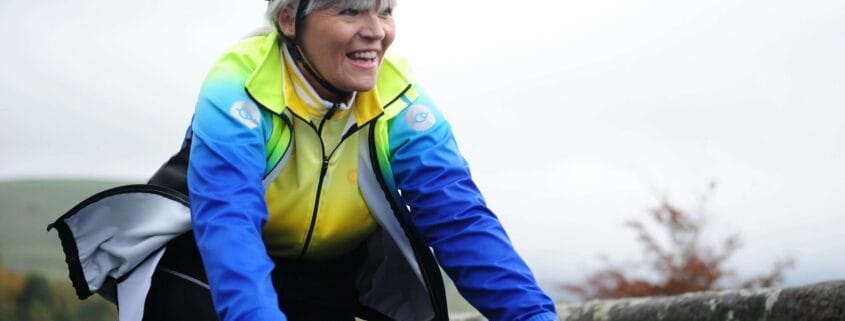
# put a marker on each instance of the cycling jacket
(410, 173)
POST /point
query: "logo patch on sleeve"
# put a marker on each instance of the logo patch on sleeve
(246, 113)
(420, 118)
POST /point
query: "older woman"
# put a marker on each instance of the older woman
(322, 185)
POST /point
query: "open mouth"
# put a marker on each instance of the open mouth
(367, 56)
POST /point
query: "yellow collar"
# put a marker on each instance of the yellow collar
(267, 82)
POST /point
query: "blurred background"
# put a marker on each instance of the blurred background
(576, 117)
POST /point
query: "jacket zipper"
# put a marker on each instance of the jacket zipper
(323, 170)
(308, 236)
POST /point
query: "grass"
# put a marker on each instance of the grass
(26, 207)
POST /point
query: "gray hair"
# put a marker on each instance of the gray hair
(276, 6)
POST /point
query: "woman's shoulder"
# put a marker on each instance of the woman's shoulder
(243, 58)
(252, 50)
(396, 65)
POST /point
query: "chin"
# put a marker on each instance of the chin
(361, 85)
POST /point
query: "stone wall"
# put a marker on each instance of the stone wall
(816, 302)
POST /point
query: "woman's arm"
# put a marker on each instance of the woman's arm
(449, 211)
(228, 210)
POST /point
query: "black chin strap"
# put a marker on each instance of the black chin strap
(294, 46)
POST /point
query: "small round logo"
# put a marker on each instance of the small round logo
(352, 176)
(420, 118)
(246, 113)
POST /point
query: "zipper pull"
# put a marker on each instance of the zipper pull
(331, 111)
(326, 117)
(325, 166)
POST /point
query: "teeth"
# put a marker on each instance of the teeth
(364, 55)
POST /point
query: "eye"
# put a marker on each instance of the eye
(350, 12)
(386, 12)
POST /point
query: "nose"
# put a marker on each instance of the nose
(373, 27)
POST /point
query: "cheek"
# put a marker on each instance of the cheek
(389, 35)
(388, 40)
(338, 46)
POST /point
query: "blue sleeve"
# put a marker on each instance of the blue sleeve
(450, 213)
(228, 210)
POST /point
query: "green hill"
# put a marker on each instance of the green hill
(26, 207)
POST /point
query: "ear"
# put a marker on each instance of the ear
(287, 22)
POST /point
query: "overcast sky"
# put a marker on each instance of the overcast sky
(574, 115)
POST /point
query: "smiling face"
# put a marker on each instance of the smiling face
(345, 46)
